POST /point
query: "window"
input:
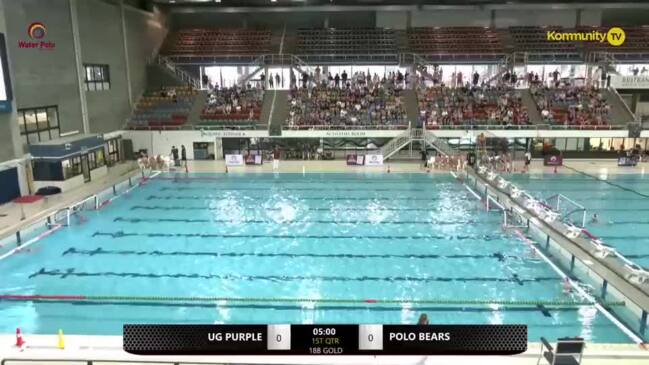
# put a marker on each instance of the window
(39, 124)
(112, 149)
(97, 77)
(71, 167)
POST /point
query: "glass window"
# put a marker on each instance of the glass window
(97, 77)
(44, 135)
(21, 122)
(39, 124)
(53, 117)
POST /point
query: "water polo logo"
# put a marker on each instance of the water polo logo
(36, 30)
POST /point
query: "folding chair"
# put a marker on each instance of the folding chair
(569, 351)
(637, 272)
(603, 250)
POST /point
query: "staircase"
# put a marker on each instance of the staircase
(396, 144)
(275, 111)
(532, 108)
(179, 73)
(620, 113)
(415, 135)
(411, 105)
(194, 116)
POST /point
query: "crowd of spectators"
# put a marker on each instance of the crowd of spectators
(470, 105)
(572, 105)
(233, 103)
(359, 101)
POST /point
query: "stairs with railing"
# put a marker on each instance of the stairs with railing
(396, 144)
(437, 143)
(181, 74)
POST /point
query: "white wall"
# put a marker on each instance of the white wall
(642, 108)
(591, 17)
(392, 19)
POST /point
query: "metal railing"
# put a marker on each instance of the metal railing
(617, 95)
(519, 196)
(181, 74)
(396, 144)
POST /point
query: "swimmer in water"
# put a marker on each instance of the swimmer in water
(423, 319)
(594, 219)
(567, 287)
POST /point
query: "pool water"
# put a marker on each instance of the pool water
(621, 203)
(331, 236)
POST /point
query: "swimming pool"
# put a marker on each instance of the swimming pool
(268, 237)
(621, 203)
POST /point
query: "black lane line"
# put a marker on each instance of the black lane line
(630, 210)
(194, 197)
(301, 308)
(609, 182)
(332, 209)
(71, 272)
(325, 180)
(329, 221)
(120, 234)
(223, 188)
(101, 251)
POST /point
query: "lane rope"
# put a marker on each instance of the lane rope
(174, 299)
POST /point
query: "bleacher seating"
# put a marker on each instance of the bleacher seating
(233, 107)
(584, 107)
(535, 39)
(163, 109)
(636, 40)
(441, 105)
(207, 42)
(346, 41)
(455, 41)
(360, 106)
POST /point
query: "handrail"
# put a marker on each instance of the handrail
(619, 98)
(183, 75)
(508, 190)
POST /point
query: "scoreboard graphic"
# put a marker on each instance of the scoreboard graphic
(336, 339)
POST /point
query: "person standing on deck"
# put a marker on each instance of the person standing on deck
(276, 156)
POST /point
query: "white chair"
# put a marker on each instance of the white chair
(573, 232)
(491, 176)
(603, 250)
(639, 274)
(516, 192)
(482, 169)
(502, 183)
(551, 216)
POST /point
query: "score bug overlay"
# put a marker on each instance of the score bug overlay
(334, 339)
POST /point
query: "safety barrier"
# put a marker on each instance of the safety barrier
(541, 215)
(62, 217)
(219, 300)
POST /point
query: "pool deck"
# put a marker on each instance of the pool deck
(110, 348)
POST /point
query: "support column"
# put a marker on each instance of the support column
(12, 141)
(74, 19)
(129, 90)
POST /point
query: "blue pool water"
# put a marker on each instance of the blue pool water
(621, 203)
(342, 236)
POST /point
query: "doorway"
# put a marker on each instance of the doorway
(85, 168)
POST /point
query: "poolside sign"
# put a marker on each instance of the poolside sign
(374, 160)
(234, 160)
